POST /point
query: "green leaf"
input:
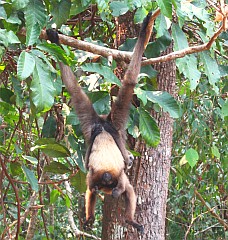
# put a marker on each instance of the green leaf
(15, 168)
(100, 101)
(35, 19)
(55, 50)
(19, 4)
(166, 7)
(31, 178)
(50, 147)
(67, 201)
(54, 196)
(42, 88)
(25, 65)
(140, 14)
(3, 14)
(79, 181)
(32, 160)
(118, 8)
(5, 95)
(224, 109)
(211, 67)
(141, 95)
(18, 91)
(215, 151)
(188, 66)
(165, 101)
(192, 157)
(57, 168)
(60, 11)
(148, 128)
(106, 72)
(180, 40)
(161, 26)
(12, 38)
(154, 49)
(49, 128)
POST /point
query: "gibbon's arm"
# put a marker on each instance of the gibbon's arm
(82, 104)
(120, 108)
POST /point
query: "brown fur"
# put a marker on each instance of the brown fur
(107, 155)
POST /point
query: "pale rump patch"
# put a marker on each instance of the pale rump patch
(105, 154)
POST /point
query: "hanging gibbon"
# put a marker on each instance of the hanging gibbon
(106, 156)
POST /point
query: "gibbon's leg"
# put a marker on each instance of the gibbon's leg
(130, 208)
(120, 188)
(120, 108)
(90, 207)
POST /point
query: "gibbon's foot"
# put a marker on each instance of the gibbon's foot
(88, 223)
(134, 224)
(115, 192)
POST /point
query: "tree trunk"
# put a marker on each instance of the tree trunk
(152, 183)
(149, 176)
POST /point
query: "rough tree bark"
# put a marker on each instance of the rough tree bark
(150, 174)
(152, 182)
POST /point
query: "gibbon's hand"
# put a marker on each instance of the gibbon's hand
(53, 36)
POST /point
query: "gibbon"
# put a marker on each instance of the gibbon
(106, 156)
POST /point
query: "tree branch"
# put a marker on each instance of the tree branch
(221, 221)
(126, 56)
(186, 51)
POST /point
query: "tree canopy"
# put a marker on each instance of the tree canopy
(41, 144)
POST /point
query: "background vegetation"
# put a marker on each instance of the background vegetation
(41, 145)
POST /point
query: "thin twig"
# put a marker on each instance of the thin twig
(16, 195)
(221, 221)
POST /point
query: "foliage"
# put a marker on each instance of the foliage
(40, 137)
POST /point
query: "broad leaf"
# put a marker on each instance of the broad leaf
(192, 157)
(79, 181)
(54, 196)
(154, 49)
(57, 168)
(106, 72)
(55, 50)
(25, 65)
(19, 4)
(161, 26)
(51, 148)
(6, 95)
(215, 151)
(166, 101)
(140, 14)
(60, 11)
(166, 7)
(180, 40)
(148, 128)
(118, 8)
(42, 88)
(32, 160)
(15, 168)
(35, 18)
(31, 178)
(188, 66)
(211, 67)
(49, 128)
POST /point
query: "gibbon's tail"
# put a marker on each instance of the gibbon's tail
(135, 63)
